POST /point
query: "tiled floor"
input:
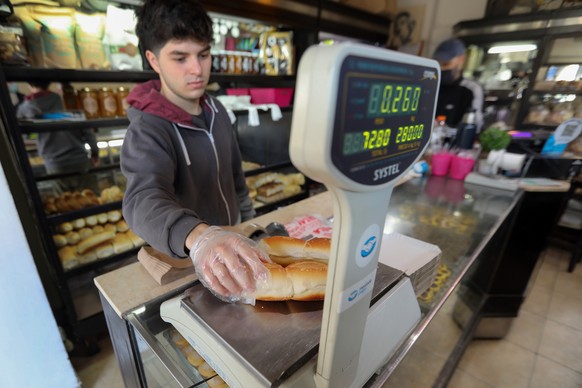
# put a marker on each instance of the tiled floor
(542, 350)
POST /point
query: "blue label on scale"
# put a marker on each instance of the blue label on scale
(369, 246)
(384, 117)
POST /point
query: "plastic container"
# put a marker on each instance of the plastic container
(238, 92)
(461, 166)
(279, 96)
(440, 163)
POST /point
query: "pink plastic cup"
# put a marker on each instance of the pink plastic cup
(461, 167)
(441, 163)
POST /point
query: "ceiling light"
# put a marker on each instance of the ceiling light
(514, 48)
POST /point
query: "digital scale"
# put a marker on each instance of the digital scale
(362, 117)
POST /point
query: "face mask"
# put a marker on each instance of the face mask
(449, 76)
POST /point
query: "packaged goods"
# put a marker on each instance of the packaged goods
(122, 104)
(57, 31)
(31, 31)
(277, 53)
(120, 40)
(89, 102)
(12, 48)
(89, 32)
(107, 103)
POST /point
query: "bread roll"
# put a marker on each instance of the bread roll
(135, 239)
(206, 370)
(122, 226)
(121, 243)
(60, 240)
(102, 218)
(68, 257)
(278, 285)
(109, 227)
(95, 240)
(78, 223)
(193, 357)
(308, 279)
(217, 382)
(72, 237)
(104, 250)
(91, 220)
(178, 339)
(113, 215)
(98, 229)
(85, 232)
(286, 250)
(88, 257)
(65, 227)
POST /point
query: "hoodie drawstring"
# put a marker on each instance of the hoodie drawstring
(183, 145)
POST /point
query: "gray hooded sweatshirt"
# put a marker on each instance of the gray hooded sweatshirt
(181, 170)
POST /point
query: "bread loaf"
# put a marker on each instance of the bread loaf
(122, 243)
(93, 241)
(104, 250)
(286, 250)
(60, 240)
(68, 257)
(298, 271)
(122, 226)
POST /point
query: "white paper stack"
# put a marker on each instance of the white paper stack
(417, 259)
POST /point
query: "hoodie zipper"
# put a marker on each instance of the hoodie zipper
(211, 138)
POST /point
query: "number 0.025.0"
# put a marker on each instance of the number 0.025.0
(355, 142)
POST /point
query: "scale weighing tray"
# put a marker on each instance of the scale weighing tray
(273, 338)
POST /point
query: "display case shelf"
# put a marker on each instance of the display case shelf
(49, 177)
(81, 213)
(85, 268)
(61, 125)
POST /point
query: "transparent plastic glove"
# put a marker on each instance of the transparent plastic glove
(229, 264)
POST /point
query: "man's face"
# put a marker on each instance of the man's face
(184, 67)
(455, 65)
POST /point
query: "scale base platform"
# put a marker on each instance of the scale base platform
(276, 343)
(498, 182)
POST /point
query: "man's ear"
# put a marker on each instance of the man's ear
(153, 60)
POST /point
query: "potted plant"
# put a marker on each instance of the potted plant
(492, 139)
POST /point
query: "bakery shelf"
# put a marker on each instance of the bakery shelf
(81, 213)
(268, 207)
(49, 177)
(82, 269)
(269, 168)
(60, 125)
(254, 80)
(27, 74)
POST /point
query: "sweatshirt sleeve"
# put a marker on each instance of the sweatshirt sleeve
(150, 205)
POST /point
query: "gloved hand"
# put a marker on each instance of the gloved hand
(229, 264)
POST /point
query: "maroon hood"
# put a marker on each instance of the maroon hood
(147, 98)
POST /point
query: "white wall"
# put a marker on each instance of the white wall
(440, 17)
(31, 351)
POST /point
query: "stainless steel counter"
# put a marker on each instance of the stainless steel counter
(461, 219)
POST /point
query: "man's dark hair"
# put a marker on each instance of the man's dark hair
(159, 21)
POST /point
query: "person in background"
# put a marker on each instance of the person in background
(457, 95)
(63, 151)
(181, 158)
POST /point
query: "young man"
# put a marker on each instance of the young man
(181, 158)
(456, 94)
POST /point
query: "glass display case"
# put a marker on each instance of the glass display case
(461, 219)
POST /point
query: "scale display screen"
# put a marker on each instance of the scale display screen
(384, 116)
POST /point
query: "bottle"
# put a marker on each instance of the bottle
(70, 98)
(467, 131)
(438, 135)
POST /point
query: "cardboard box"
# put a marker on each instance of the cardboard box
(378, 7)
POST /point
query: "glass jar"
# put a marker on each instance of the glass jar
(238, 62)
(107, 103)
(70, 98)
(122, 104)
(88, 99)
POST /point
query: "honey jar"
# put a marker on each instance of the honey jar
(107, 103)
(88, 99)
(122, 105)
